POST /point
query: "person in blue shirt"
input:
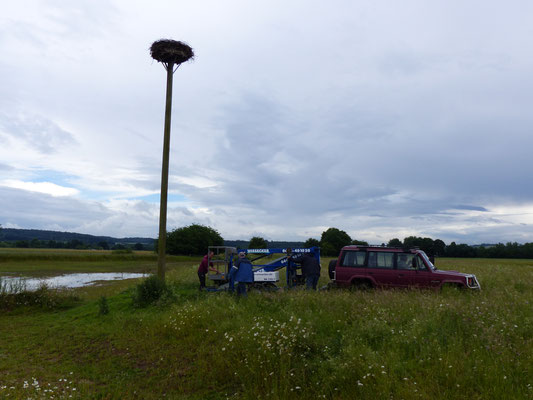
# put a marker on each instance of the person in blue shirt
(241, 273)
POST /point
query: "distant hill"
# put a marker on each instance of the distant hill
(14, 235)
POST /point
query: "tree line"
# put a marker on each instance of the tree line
(74, 244)
(195, 239)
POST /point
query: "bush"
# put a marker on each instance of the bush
(103, 306)
(150, 291)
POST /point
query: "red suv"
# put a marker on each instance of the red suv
(375, 266)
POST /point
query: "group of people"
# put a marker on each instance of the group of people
(242, 273)
(310, 268)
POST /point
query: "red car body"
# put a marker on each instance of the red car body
(376, 266)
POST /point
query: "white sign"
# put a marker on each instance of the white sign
(266, 276)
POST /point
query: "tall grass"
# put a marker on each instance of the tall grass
(15, 296)
(289, 344)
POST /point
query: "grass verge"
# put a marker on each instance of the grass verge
(283, 345)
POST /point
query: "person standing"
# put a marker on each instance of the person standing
(204, 267)
(241, 273)
(310, 269)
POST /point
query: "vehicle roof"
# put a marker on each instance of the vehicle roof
(383, 248)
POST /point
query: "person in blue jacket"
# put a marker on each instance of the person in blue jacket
(241, 273)
(310, 269)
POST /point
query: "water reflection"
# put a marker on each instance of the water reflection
(68, 280)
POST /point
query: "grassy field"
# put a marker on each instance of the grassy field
(333, 344)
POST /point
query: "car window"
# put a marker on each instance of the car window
(405, 261)
(354, 259)
(420, 263)
(380, 259)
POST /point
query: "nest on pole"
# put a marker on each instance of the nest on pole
(169, 51)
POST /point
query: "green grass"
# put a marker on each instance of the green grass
(333, 344)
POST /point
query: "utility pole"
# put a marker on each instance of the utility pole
(171, 54)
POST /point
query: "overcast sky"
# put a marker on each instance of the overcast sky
(381, 118)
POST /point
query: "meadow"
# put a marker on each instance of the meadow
(331, 344)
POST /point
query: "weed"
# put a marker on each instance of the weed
(103, 306)
(149, 291)
(16, 296)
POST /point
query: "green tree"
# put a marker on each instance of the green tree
(439, 247)
(257, 243)
(359, 242)
(311, 242)
(104, 245)
(333, 240)
(425, 244)
(327, 249)
(192, 240)
(394, 243)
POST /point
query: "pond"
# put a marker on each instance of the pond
(67, 281)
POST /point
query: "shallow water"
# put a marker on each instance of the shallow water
(68, 280)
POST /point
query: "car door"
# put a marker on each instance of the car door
(405, 269)
(420, 275)
(351, 266)
(380, 268)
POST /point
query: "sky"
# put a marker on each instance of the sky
(382, 118)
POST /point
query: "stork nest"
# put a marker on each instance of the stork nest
(171, 51)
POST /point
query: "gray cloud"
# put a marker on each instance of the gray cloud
(35, 131)
(383, 121)
(30, 209)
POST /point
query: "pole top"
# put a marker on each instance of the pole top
(169, 51)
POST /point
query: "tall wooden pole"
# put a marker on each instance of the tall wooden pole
(161, 259)
(170, 53)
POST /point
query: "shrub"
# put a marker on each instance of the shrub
(149, 291)
(103, 306)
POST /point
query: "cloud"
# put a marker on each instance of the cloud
(42, 211)
(34, 131)
(382, 120)
(40, 187)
